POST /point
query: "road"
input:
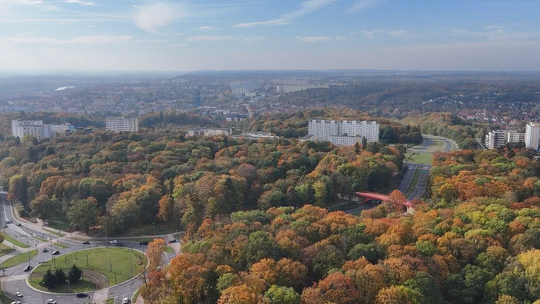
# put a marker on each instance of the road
(15, 277)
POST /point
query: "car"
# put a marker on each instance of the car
(86, 243)
(16, 302)
(174, 241)
(82, 295)
(51, 301)
(56, 252)
(18, 294)
(125, 301)
(27, 268)
(119, 244)
(19, 224)
(113, 242)
(44, 250)
(143, 243)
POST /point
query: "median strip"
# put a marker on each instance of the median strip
(13, 241)
(19, 259)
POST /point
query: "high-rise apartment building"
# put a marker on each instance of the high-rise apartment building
(243, 87)
(343, 133)
(120, 124)
(197, 99)
(496, 139)
(532, 135)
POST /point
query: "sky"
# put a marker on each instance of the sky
(187, 35)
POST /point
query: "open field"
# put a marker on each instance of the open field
(113, 263)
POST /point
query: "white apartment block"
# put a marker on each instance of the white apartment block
(299, 87)
(243, 87)
(496, 139)
(532, 135)
(120, 124)
(208, 132)
(515, 137)
(38, 129)
(343, 133)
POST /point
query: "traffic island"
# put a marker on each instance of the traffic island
(101, 267)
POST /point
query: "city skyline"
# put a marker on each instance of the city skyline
(276, 35)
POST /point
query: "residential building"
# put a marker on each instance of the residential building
(243, 87)
(496, 139)
(208, 132)
(197, 99)
(38, 129)
(532, 135)
(121, 124)
(343, 133)
(515, 137)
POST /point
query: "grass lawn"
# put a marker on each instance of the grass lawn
(160, 229)
(135, 295)
(4, 298)
(40, 239)
(110, 301)
(60, 245)
(19, 259)
(15, 242)
(81, 286)
(55, 232)
(420, 158)
(414, 181)
(438, 145)
(114, 263)
(59, 225)
(169, 249)
(5, 249)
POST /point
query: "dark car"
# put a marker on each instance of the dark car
(44, 250)
(19, 224)
(119, 244)
(143, 243)
(82, 295)
(86, 243)
(27, 268)
(56, 252)
(174, 241)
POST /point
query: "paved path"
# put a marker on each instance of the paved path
(101, 296)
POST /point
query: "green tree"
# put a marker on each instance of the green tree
(83, 214)
(426, 285)
(18, 190)
(49, 279)
(60, 276)
(45, 208)
(282, 295)
(74, 274)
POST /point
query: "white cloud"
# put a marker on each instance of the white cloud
(361, 5)
(493, 27)
(209, 38)
(398, 33)
(313, 38)
(497, 33)
(81, 2)
(341, 38)
(252, 40)
(306, 7)
(154, 16)
(205, 28)
(371, 34)
(103, 39)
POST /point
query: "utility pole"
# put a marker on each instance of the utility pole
(68, 284)
(28, 253)
(130, 266)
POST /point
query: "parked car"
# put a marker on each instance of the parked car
(174, 241)
(82, 295)
(18, 294)
(86, 243)
(56, 252)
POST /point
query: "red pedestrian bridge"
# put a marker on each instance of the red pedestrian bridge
(382, 197)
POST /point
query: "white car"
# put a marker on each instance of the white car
(16, 302)
(18, 294)
(125, 301)
(113, 242)
(51, 301)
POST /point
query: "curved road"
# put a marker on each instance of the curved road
(15, 277)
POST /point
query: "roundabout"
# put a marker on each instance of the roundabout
(101, 268)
